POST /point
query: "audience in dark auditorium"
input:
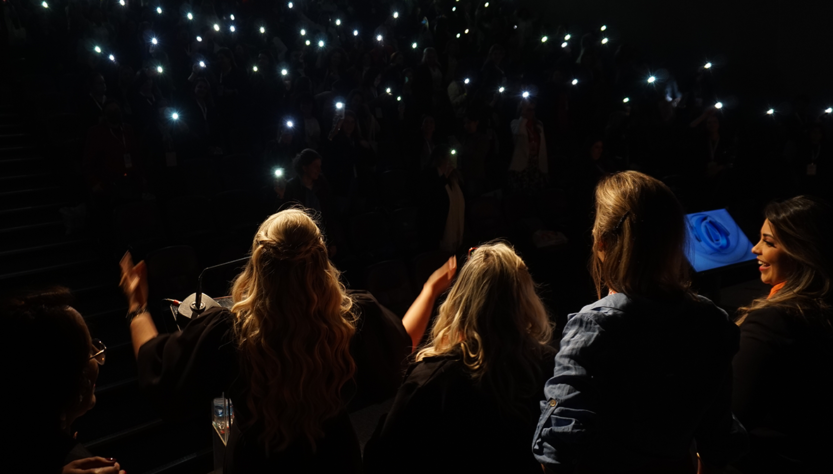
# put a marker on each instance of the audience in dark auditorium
(435, 125)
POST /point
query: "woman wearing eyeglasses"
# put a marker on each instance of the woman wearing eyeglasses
(643, 377)
(291, 354)
(783, 388)
(470, 401)
(51, 374)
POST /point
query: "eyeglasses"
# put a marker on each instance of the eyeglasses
(471, 250)
(97, 351)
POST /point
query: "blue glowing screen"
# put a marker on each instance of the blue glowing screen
(715, 240)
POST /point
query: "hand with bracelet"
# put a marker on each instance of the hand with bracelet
(134, 283)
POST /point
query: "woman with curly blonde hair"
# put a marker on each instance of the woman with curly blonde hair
(288, 354)
(470, 401)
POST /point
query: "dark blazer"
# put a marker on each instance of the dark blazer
(783, 392)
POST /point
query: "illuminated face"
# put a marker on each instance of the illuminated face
(773, 262)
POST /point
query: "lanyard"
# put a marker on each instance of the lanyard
(96, 102)
(713, 148)
(123, 141)
(204, 110)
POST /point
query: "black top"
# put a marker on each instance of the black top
(184, 371)
(443, 421)
(783, 392)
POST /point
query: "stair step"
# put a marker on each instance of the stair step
(32, 234)
(49, 177)
(32, 197)
(201, 462)
(22, 164)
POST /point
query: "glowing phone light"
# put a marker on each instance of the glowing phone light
(175, 116)
(303, 32)
(501, 89)
(216, 27)
(486, 5)
(284, 72)
(399, 98)
(651, 80)
(387, 90)
(44, 5)
(396, 14)
(279, 172)
(355, 32)
(604, 27)
(828, 110)
(321, 43)
(458, 35)
(770, 111)
(289, 124)
(454, 9)
(564, 44)
(190, 16)
(199, 39)
(414, 45)
(575, 81)
(707, 66)
(378, 37)
(262, 30)
(544, 39)
(122, 3)
(112, 58)
(338, 22)
(467, 31)
(159, 10)
(154, 41)
(97, 49)
(202, 64)
(718, 105)
(339, 105)
(254, 68)
(466, 81)
(567, 37)
(453, 151)
(525, 95)
(231, 28)
(232, 17)
(159, 69)
(307, 42)
(605, 40)
(626, 100)
(289, 5)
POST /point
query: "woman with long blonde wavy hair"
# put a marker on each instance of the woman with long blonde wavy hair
(470, 401)
(293, 354)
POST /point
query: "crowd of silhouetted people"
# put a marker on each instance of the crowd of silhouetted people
(325, 109)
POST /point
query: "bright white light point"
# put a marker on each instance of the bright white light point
(262, 30)
(321, 44)
(303, 32)
(707, 65)
(216, 27)
(199, 39)
(231, 28)
(355, 32)
(112, 58)
(575, 81)
(828, 110)
(651, 79)
(567, 37)
(544, 39)
(159, 10)
(770, 111)
(625, 100)
(604, 27)
(453, 151)
(605, 40)
(284, 72)
(458, 35)
(564, 44)
(454, 9)
(254, 68)
(202, 63)
(339, 105)
(154, 41)
(159, 69)
(190, 16)
(121, 2)
(175, 116)
(525, 94)
(232, 17)
(467, 31)
(387, 90)
(308, 43)
(278, 173)
(97, 49)
(396, 14)
(289, 124)
(44, 5)
(486, 5)
(398, 98)
(466, 81)
(516, 27)
(501, 89)
(414, 45)
(338, 22)
(718, 105)
(378, 37)
(289, 4)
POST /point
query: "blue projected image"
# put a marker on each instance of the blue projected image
(715, 240)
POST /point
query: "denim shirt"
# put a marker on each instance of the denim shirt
(638, 383)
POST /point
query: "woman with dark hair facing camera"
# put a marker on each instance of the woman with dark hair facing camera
(783, 390)
(644, 375)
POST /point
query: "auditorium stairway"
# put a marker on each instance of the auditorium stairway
(36, 182)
